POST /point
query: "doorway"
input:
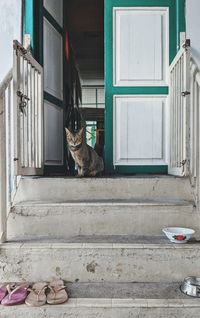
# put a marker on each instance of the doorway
(128, 45)
(67, 39)
(85, 29)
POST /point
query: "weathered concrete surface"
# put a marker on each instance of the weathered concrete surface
(126, 291)
(65, 189)
(97, 262)
(107, 308)
(125, 217)
(58, 241)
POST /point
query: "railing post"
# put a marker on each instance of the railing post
(187, 104)
(3, 177)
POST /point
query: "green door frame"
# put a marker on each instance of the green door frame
(34, 11)
(176, 25)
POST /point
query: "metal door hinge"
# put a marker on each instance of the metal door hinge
(186, 44)
(185, 93)
(23, 101)
(183, 162)
(18, 47)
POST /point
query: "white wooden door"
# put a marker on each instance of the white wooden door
(140, 59)
(53, 83)
(137, 85)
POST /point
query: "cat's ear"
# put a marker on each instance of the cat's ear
(80, 132)
(68, 132)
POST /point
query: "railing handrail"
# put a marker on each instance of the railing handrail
(5, 82)
(194, 171)
(27, 55)
(176, 58)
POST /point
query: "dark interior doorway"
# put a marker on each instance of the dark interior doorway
(85, 28)
(85, 23)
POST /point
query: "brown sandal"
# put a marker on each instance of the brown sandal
(37, 296)
(57, 292)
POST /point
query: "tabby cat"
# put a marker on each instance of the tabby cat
(88, 162)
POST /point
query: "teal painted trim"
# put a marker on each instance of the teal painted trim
(142, 90)
(180, 20)
(108, 60)
(141, 169)
(182, 15)
(55, 24)
(28, 25)
(138, 3)
(52, 99)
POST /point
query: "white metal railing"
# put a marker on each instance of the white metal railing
(21, 127)
(7, 179)
(194, 170)
(28, 92)
(184, 120)
(179, 112)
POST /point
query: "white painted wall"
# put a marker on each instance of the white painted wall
(10, 29)
(193, 27)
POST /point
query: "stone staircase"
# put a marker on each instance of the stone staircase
(103, 236)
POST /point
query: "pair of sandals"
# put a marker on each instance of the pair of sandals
(14, 295)
(38, 296)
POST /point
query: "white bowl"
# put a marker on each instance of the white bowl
(178, 235)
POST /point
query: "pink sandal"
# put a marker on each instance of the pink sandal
(16, 295)
(3, 292)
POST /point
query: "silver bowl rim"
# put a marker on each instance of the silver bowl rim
(191, 281)
(187, 283)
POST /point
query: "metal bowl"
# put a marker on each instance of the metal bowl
(191, 286)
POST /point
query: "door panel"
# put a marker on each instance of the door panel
(53, 130)
(136, 32)
(53, 61)
(134, 132)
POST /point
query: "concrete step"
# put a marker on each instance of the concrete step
(99, 258)
(69, 189)
(102, 217)
(89, 300)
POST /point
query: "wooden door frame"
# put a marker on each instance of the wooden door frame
(176, 22)
(34, 12)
